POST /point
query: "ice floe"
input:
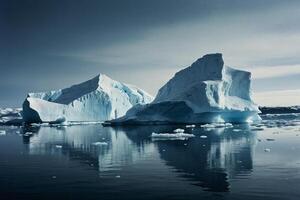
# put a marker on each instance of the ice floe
(100, 143)
(217, 125)
(171, 136)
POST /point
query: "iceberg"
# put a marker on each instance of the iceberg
(97, 99)
(205, 92)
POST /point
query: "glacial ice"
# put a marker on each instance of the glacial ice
(98, 99)
(206, 92)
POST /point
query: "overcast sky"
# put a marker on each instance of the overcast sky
(46, 45)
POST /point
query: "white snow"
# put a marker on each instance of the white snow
(206, 92)
(98, 99)
(171, 136)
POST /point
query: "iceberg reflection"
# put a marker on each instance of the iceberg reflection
(210, 162)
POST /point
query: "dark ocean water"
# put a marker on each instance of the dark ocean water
(258, 161)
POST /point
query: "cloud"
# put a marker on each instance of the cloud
(277, 98)
(276, 71)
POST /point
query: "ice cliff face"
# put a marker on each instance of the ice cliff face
(207, 91)
(98, 99)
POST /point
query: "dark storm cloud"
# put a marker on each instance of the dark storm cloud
(45, 43)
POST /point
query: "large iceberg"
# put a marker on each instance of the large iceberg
(207, 91)
(98, 99)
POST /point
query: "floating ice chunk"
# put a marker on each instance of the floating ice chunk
(2, 132)
(179, 130)
(190, 126)
(100, 143)
(267, 150)
(203, 136)
(217, 125)
(171, 136)
(236, 130)
(118, 176)
(58, 146)
(28, 133)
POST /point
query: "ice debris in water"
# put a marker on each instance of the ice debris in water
(58, 146)
(2, 132)
(100, 143)
(267, 150)
(217, 125)
(178, 130)
(171, 136)
(28, 133)
(190, 126)
(236, 130)
(203, 136)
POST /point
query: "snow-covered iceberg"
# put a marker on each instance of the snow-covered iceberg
(98, 99)
(207, 91)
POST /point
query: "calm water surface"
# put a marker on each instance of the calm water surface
(261, 161)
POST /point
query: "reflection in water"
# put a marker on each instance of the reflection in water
(209, 163)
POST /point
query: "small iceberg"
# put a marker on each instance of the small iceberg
(203, 136)
(58, 146)
(28, 133)
(190, 126)
(267, 150)
(179, 130)
(171, 136)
